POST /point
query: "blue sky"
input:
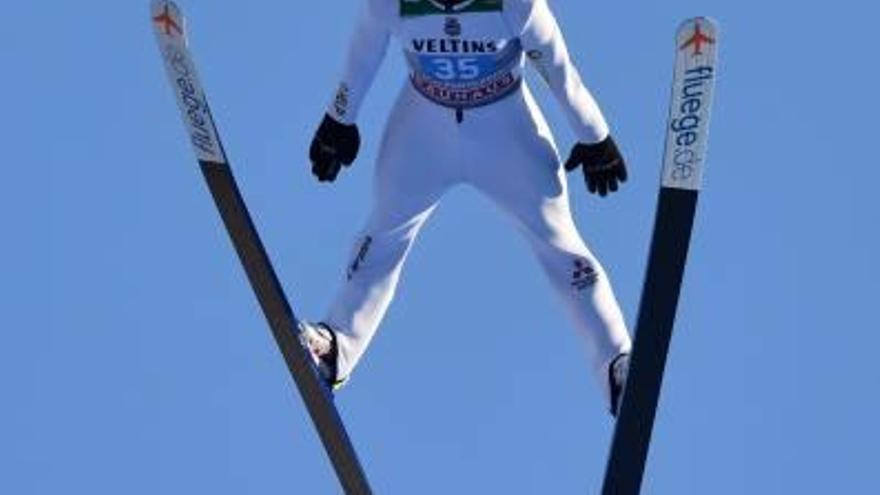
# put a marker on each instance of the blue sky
(134, 358)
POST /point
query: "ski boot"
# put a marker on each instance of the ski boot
(320, 341)
(617, 372)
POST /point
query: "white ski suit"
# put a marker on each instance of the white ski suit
(467, 116)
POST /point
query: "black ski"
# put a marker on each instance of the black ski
(168, 23)
(687, 133)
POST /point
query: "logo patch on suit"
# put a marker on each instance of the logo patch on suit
(584, 274)
(361, 256)
(341, 100)
(452, 27)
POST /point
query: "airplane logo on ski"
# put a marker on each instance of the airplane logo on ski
(169, 25)
(697, 41)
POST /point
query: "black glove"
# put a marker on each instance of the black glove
(603, 165)
(335, 144)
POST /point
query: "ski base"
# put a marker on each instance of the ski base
(684, 160)
(170, 30)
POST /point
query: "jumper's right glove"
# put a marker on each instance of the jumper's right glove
(602, 163)
(335, 144)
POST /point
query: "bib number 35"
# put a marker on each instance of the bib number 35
(455, 69)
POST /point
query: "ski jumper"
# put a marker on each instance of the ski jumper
(466, 116)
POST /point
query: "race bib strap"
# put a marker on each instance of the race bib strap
(464, 98)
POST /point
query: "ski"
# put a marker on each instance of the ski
(686, 140)
(169, 27)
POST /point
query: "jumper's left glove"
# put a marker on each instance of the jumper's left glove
(603, 165)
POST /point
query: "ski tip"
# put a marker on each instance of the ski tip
(697, 38)
(168, 21)
(690, 108)
(706, 25)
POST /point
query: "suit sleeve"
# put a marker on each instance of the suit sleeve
(546, 49)
(367, 49)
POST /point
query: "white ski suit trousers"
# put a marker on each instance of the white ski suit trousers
(505, 151)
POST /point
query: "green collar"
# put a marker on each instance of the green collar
(416, 8)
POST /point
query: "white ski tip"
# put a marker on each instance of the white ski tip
(168, 25)
(693, 87)
(708, 25)
(168, 21)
